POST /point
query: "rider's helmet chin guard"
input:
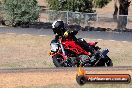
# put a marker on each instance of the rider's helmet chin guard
(58, 27)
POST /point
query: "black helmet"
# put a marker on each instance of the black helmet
(58, 27)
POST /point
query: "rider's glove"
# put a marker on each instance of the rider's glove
(66, 34)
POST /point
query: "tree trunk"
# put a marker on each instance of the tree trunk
(123, 12)
(115, 11)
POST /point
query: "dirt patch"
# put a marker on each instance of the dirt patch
(53, 80)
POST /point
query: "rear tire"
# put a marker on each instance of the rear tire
(108, 62)
(101, 63)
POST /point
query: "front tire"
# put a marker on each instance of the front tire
(58, 61)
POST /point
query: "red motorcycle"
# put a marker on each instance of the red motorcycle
(66, 53)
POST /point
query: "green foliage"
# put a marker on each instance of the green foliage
(77, 5)
(84, 6)
(21, 10)
(0, 10)
(71, 5)
(53, 4)
(100, 3)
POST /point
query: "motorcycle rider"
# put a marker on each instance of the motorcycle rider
(59, 30)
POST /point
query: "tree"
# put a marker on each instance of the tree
(121, 8)
(71, 5)
(77, 5)
(21, 11)
(53, 4)
(84, 6)
(100, 3)
(0, 11)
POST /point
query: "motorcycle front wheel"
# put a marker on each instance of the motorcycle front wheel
(58, 61)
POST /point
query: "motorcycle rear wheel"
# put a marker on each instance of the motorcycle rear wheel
(109, 62)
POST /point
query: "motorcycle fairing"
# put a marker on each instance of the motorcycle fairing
(71, 45)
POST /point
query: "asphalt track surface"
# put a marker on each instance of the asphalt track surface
(116, 36)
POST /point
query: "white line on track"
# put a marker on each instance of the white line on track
(125, 41)
(25, 34)
(112, 40)
(99, 39)
(11, 33)
(42, 35)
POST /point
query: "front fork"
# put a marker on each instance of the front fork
(62, 48)
(63, 52)
(64, 55)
